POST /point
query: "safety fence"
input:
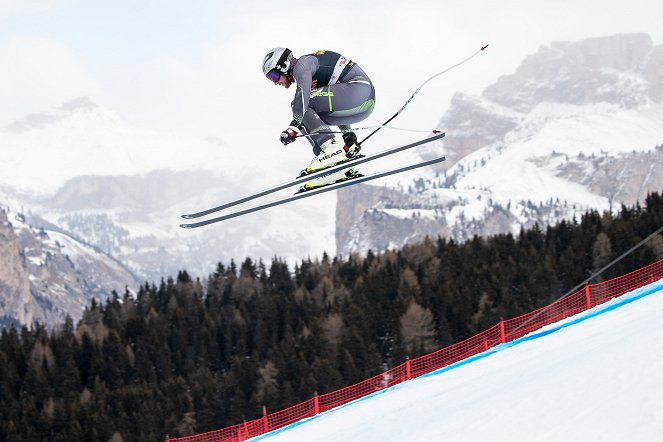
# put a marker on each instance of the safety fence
(584, 299)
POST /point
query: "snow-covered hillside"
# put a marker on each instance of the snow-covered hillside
(577, 127)
(123, 188)
(42, 151)
(595, 376)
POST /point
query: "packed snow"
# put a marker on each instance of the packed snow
(594, 377)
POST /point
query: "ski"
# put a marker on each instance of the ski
(306, 194)
(353, 162)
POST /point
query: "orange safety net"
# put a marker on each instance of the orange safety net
(505, 331)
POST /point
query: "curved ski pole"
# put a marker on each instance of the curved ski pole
(336, 168)
(417, 91)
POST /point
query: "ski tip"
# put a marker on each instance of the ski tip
(484, 47)
(186, 226)
(187, 216)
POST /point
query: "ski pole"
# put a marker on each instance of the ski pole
(355, 129)
(417, 91)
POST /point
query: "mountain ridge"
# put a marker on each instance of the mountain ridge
(577, 126)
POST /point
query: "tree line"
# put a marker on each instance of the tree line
(193, 355)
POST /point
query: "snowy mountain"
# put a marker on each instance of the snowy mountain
(594, 376)
(43, 151)
(85, 172)
(578, 126)
(122, 189)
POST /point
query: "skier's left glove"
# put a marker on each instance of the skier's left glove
(290, 134)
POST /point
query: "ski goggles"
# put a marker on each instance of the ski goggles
(273, 76)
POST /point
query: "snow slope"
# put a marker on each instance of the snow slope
(594, 377)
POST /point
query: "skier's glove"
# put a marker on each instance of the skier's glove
(289, 135)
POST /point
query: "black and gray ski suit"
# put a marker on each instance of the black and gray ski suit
(331, 90)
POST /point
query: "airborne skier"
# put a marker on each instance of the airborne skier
(331, 90)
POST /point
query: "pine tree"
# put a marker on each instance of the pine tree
(417, 330)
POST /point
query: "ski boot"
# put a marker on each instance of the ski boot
(351, 146)
(329, 179)
(331, 154)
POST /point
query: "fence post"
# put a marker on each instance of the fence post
(588, 298)
(265, 421)
(408, 373)
(240, 436)
(502, 333)
(316, 404)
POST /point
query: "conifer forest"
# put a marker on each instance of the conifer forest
(188, 355)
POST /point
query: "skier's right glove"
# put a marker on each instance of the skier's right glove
(289, 135)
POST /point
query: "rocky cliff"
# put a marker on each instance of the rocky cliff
(46, 275)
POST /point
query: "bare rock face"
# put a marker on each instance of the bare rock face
(356, 200)
(46, 275)
(16, 303)
(471, 123)
(624, 69)
(590, 71)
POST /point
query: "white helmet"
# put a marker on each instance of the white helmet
(277, 59)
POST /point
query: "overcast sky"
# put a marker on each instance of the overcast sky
(195, 66)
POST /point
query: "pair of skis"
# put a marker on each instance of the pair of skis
(351, 163)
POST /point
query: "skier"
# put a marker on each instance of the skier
(331, 90)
